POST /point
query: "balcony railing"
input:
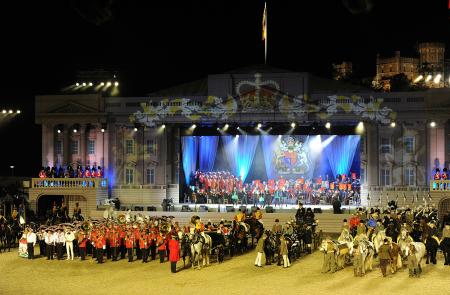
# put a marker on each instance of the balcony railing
(440, 185)
(69, 183)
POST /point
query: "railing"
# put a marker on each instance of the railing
(59, 183)
(375, 188)
(440, 185)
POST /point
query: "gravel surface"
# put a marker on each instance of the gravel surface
(235, 276)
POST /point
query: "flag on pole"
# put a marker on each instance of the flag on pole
(264, 32)
(264, 24)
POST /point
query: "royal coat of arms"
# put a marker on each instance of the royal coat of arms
(291, 157)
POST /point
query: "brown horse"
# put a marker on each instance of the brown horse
(396, 262)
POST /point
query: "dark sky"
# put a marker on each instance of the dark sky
(155, 44)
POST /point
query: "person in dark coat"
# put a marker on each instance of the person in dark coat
(307, 238)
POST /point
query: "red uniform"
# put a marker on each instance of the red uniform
(143, 244)
(437, 175)
(354, 221)
(87, 173)
(99, 242)
(129, 242)
(82, 244)
(161, 243)
(174, 250)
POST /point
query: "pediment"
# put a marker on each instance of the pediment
(73, 107)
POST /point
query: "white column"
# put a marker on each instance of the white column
(48, 155)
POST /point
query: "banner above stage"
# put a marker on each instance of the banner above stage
(261, 97)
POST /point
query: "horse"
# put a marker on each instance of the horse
(396, 262)
(341, 250)
(6, 237)
(219, 243)
(185, 247)
(238, 237)
(404, 242)
(346, 237)
(367, 251)
(420, 251)
(431, 245)
(272, 248)
(201, 244)
(378, 239)
(256, 228)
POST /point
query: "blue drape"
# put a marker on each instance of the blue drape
(207, 152)
(189, 145)
(340, 153)
(239, 152)
(268, 147)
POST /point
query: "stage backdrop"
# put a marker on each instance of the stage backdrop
(266, 157)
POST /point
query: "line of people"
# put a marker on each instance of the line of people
(69, 172)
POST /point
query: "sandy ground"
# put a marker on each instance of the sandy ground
(235, 276)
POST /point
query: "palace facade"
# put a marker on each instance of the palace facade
(136, 140)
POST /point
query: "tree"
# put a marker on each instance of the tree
(400, 82)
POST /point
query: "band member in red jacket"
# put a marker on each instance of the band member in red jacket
(129, 243)
(174, 256)
(114, 243)
(99, 243)
(161, 244)
(82, 245)
(143, 245)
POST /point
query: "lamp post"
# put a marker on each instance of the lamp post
(12, 170)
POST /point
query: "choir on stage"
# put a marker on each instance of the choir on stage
(223, 187)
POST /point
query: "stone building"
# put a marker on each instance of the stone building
(137, 139)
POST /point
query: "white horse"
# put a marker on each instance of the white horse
(420, 251)
(201, 244)
(378, 239)
(367, 251)
(346, 238)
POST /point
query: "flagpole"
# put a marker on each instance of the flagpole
(264, 32)
(265, 39)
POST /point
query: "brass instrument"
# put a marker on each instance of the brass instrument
(86, 226)
(122, 218)
(165, 227)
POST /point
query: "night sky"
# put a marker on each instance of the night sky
(155, 44)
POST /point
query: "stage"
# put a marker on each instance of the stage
(281, 209)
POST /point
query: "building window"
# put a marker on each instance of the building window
(151, 146)
(362, 175)
(58, 147)
(385, 177)
(130, 146)
(129, 176)
(151, 176)
(362, 144)
(74, 147)
(91, 147)
(409, 144)
(385, 145)
(410, 176)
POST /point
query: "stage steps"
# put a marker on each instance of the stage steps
(328, 222)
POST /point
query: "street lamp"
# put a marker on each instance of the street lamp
(12, 170)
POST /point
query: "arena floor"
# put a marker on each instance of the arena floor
(236, 276)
